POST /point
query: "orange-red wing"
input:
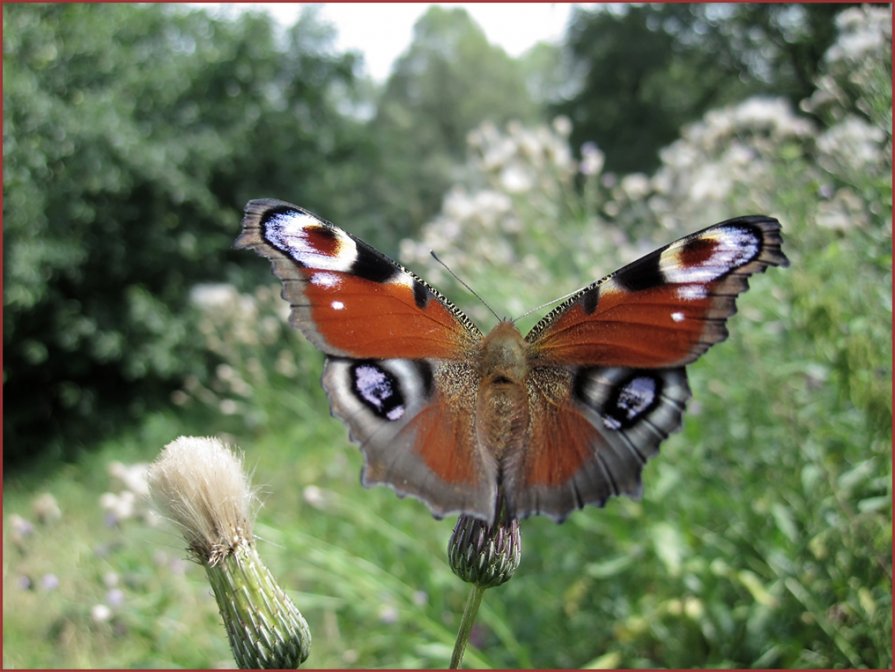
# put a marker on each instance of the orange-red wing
(416, 432)
(347, 298)
(593, 444)
(445, 443)
(665, 309)
(564, 444)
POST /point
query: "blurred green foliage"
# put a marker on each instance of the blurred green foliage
(646, 70)
(132, 136)
(445, 84)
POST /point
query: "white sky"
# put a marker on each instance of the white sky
(382, 31)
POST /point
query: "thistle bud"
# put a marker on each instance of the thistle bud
(485, 554)
(201, 486)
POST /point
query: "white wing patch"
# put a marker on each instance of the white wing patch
(293, 233)
(733, 247)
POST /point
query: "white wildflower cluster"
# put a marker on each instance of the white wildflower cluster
(517, 161)
(736, 159)
(246, 319)
(864, 32)
(854, 92)
(853, 146)
(514, 217)
(128, 497)
(857, 74)
(257, 348)
(724, 164)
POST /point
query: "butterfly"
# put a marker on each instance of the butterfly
(562, 417)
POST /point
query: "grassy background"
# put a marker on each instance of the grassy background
(763, 538)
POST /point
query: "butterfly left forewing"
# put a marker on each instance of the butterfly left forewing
(345, 296)
(621, 343)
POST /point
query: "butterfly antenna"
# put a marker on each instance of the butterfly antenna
(544, 305)
(463, 282)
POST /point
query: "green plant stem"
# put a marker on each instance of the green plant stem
(265, 628)
(469, 614)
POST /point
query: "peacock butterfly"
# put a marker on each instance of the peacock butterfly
(564, 416)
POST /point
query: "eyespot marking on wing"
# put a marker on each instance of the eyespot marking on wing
(630, 401)
(710, 255)
(309, 241)
(378, 389)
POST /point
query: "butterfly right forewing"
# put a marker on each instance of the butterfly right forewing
(666, 308)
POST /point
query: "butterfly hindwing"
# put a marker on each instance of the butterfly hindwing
(414, 422)
(593, 443)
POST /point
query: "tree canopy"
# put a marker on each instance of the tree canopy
(132, 135)
(643, 71)
(448, 81)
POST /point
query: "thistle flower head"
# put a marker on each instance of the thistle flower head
(485, 554)
(201, 486)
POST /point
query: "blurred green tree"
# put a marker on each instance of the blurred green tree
(644, 71)
(445, 84)
(545, 74)
(132, 135)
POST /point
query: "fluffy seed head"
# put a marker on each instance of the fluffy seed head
(199, 483)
